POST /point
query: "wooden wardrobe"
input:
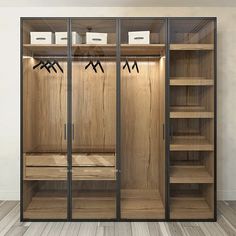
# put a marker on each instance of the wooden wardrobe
(119, 131)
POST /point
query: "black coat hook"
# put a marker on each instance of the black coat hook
(90, 63)
(58, 65)
(135, 65)
(127, 64)
(52, 66)
(99, 63)
(40, 63)
(45, 65)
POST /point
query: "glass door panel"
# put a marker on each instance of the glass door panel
(192, 76)
(94, 119)
(142, 118)
(44, 119)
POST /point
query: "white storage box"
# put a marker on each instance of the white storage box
(139, 37)
(96, 38)
(41, 38)
(61, 38)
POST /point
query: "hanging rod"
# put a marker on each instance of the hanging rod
(100, 57)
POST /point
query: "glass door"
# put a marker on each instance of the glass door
(44, 113)
(142, 70)
(93, 118)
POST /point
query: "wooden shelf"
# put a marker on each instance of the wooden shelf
(47, 205)
(141, 204)
(190, 112)
(190, 208)
(142, 49)
(190, 81)
(190, 174)
(185, 47)
(94, 205)
(97, 50)
(190, 143)
(94, 159)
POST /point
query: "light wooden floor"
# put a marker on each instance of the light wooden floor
(10, 225)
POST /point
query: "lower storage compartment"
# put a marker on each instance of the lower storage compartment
(45, 200)
(93, 199)
(141, 204)
(191, 201)
(96, 204)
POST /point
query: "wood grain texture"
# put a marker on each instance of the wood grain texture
(194, 46)
(190, 112)
(42, 159)
(45, 173)
(190, 143)
(190, 208)
(190, 174)
(94, 173)
(143, 204)
(104, 159)
(94, 107)
(193, 81)
(45, 110)
(140, 125)
(93, 205)
(47, 206)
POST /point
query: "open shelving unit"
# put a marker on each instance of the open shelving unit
(192, 116)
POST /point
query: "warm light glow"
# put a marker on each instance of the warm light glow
(26, 57)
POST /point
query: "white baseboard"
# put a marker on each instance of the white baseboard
(6, 195)
(226, 195)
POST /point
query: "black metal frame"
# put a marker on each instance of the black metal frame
(118, 121)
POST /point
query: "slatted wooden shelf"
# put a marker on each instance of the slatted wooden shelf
(94, 205)
(194, 46)
(190, 174)
(190, 112)
(101, 159)
(141, 203)
(190, 81)
(52, 166)
(190, 208)
(97, 50)
(190, 143)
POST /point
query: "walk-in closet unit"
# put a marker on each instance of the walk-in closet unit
(118, 119)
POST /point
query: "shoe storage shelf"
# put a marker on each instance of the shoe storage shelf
(118, 119)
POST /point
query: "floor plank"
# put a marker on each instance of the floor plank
(10, 225)
(35, 229)
(154, 229)
(194, 231)
(123, 228)
(175, 229)
(228, 212)
(6, 207)
(9, 220)
(88, 229)
(140, 229)
(226, 226)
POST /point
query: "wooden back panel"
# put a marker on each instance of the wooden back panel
(94, 107)
(140, 126)
(44, 109)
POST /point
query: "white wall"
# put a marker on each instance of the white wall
(10, 86)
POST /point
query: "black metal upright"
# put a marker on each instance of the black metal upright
(118, 121)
